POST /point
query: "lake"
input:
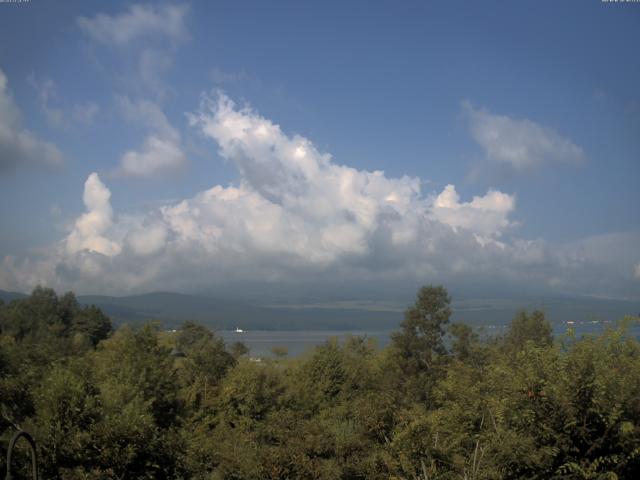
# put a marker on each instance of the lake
(297, 342)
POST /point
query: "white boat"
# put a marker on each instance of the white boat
(239, 330)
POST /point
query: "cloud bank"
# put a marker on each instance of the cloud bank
(298, 217)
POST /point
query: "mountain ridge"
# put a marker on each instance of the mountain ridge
(172, 309)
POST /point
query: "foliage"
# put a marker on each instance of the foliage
(142, 403)
(418, 347)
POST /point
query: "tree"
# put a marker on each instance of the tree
(207, 351)
(280, 352)
(529, 328)
(68, 408)
(92, 323)
(46, 318)
(35, 318)
(238, 349)
(205, 364)
(418, 345)
(464, 340)
(138, 395)
(322, 376)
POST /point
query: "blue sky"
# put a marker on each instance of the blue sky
(531, 108)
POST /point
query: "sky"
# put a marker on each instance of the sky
(330, 150)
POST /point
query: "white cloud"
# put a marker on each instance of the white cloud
(147, 240)
(91, 230)
(486, 216)
(157, 156)
(518, 143)
(161, 152)
(145, 113)
(137, 22)
(19, 146)
(296, 217)
(294, 212)
(142, 74)
(336, 206)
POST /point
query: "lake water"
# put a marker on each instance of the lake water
(297, 342)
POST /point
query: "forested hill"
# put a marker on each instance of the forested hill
(173, 309)
(8, 296)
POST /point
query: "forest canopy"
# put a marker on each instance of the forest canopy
(441, 402)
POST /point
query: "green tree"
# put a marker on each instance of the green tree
(92, 324)
(46, 319)
(206, 361)
(138, 394)
(418, 346)
(322, 377)
(465, 341)
(67, 409)
(526, 327)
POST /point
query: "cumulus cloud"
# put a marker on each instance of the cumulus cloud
(137, 22)
(147, 240)
(19, 146)
(161, 152)
(486, 216)
(520, 144)
(296, 216)
(338, 207)
(91, 229)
